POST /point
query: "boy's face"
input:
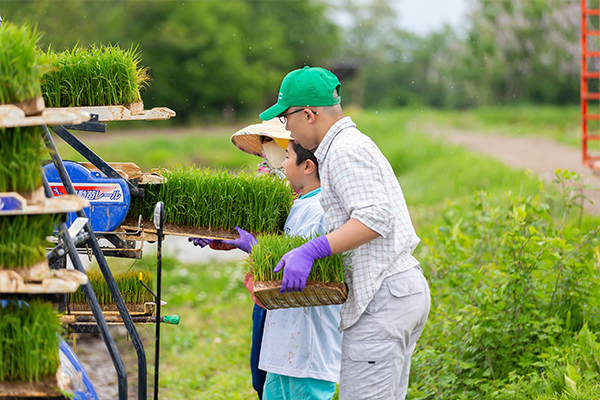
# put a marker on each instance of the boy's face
(294, 173)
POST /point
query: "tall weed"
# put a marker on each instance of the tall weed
(513, 283)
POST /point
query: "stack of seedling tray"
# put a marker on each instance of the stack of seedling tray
(325, 284)
(102, 80)
(209, 204)
(29, 348)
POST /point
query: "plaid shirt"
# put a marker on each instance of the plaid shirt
(357, 181)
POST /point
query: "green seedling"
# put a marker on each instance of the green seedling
(127, 282)
(23, 239)
(269, 249)
(21, 152)
(20, 66)
(29, 343)
(217, 199)
(94, 76)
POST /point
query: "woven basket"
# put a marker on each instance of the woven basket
(315, 294)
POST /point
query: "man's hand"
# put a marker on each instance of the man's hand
(298, 262)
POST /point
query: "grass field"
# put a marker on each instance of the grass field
(206, 356)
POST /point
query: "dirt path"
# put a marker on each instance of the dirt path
(540, 155)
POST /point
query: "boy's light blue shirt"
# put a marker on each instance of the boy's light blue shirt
(303, 342)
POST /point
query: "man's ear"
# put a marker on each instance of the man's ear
(309, 167)
(309, 115)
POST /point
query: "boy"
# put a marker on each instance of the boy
(301, 347)
(388, 300)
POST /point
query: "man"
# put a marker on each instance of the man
(365, 211)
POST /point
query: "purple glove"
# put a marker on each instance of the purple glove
(199, 241)
(298, 263)
(245, 241)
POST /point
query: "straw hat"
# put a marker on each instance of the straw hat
(250, 138)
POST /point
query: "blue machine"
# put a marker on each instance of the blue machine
(109, 198)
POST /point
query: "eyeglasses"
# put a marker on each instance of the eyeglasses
(283, 117)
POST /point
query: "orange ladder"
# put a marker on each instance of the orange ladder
(592, 161)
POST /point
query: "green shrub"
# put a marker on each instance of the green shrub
(212, 199)
(28, 342)
(21, 152)
(128, 283)
(269, 249)
(95, 76)
(20, 66)
(514, 291)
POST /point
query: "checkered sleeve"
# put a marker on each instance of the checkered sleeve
(359, 184)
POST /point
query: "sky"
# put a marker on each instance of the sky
(424, 16)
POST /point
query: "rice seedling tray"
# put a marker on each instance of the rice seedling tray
(49, 387)
(210, 203)
(12, 203)
(315, 294)
(55, 281)
(111, 309)
(129, 170)
(88, 320)
(33, 106)
(148, 230)
(12, 116)
(35, 272)
(124, 112)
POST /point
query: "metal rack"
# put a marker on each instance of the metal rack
(94, 120)
(12, 117)
(122, 248)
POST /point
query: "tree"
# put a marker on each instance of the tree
(204, 57)
(523, 50)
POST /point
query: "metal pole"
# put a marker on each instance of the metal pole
(159, 219)
(95, 159)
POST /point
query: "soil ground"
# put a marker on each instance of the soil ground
(541, 155)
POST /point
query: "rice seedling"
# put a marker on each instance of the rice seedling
(28, 342)
(94, 76)
(128, 283)
(23, 239)
(269, 249)
(20, 67)
(21, 152)
(218, 200)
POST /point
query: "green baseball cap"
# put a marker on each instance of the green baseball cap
(306, 87)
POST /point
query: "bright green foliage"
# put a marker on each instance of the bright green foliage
(269, 249)
(94, 76)
(515, 287)
(21, 152)
(128, 283)
(217, 199)
(28, 342)
(20, 68)
(23, 239)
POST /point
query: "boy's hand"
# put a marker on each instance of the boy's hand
(200, 241)
(298, 262)
(249, 284)
(244, 243)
